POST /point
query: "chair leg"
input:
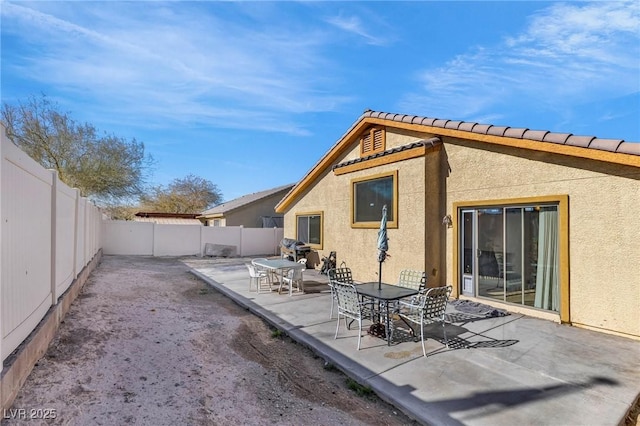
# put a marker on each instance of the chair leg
(359, 332)
(337, 326)
(444, 330)
(262, 281)
(332, 302)
(424, 351)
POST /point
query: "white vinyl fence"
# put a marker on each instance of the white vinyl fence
(151, 239)
(48, 234)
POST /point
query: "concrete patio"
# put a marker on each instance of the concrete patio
(504, 370)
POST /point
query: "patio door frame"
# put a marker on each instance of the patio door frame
(468, 242)
(562, 201)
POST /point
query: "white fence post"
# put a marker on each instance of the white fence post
(201, 240)
(75, 233)
(54, 212)
(36, 227)
(2, 142)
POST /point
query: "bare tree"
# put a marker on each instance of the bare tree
(191, 194)
(105, 168)
(120, 211)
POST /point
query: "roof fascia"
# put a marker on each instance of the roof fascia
(211, 216)
(323, 164)
(553, 148)
(351, 135)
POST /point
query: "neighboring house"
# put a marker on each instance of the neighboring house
(251, 211)
(167, 218)
(541, 223)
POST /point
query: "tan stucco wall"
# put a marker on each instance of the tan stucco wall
(249, 215)
(604, 224)
(357, 247)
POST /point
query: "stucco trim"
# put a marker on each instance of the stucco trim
(563, 211)
(395, 157)
(392, 224)
(314, 213)
(555, 148)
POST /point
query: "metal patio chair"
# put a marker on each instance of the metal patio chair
(349, 307)
(411, 278)
(414, 279)
(426, 309)
(342, 275)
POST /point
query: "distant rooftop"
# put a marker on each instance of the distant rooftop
(245, 199)
(168, 218)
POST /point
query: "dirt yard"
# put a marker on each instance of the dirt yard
(148, 343)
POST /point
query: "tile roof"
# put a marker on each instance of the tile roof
(610, 148)
(245, 199)
(612, 145)
(431, 142)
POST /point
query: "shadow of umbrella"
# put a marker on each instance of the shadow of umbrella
(383, 243)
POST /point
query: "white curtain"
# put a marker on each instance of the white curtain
(547, 270)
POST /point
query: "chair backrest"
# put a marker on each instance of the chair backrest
(252, 271)
(342, 275)
(296, 273)
(347, 297)
(258, 267)
(434, 302)
(410, 278)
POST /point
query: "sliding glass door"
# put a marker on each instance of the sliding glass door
(510, 254)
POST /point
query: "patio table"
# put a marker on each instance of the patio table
(385, 293)
(280, 266)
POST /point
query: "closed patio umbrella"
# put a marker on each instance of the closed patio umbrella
(383, 243)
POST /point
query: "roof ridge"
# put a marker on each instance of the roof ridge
(619, 146)
(246, 199)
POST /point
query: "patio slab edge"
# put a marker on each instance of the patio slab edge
(352, 369)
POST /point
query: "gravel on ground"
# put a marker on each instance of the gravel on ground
(148, 343)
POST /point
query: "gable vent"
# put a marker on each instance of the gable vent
(372, 141)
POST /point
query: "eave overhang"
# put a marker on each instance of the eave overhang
(541, 141)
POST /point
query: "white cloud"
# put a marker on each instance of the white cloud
(568, 53)
(355, 25)
(177, 62)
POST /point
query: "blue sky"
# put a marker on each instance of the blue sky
(250, 95)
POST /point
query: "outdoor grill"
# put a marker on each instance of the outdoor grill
(293, 248)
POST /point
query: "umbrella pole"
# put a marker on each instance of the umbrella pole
(380, 276)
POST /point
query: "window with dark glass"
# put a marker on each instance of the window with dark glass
(309, 228)
(370, 195)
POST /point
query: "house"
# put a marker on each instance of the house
(251, 211)
(536, 222)
(167, 218)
